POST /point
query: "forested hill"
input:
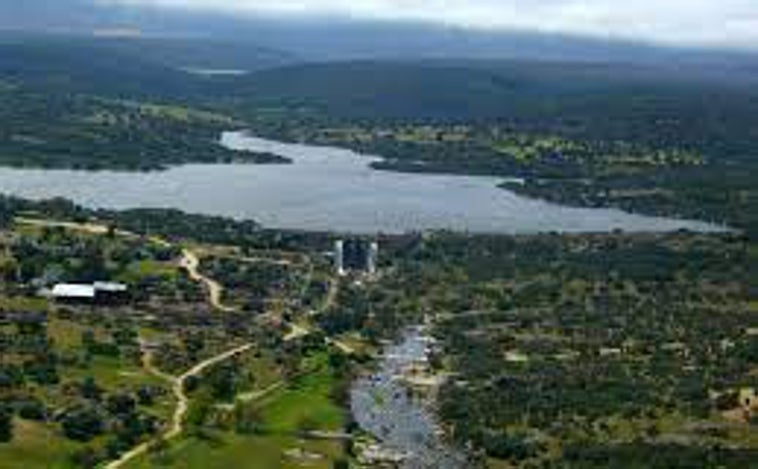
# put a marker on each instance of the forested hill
(656, 104)
(662, 105)
(127, 67)
(88, 67)
(713, 108)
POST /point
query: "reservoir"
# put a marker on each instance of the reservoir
(327, 189)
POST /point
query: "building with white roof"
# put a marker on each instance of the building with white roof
(88, 292)
(110, 287)
(73, 291)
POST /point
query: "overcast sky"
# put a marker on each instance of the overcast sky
(689, 22)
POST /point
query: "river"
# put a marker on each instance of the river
(327, 189)
(403, 424)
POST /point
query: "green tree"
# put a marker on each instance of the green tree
(82, 424)
(247, 419)
(6, 425)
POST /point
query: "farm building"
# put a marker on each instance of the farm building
(98, 292)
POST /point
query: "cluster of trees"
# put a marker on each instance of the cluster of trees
(119, 415)
(252, 284)
(48, 130)
(586, 341)
(722, 192)
(245, 234)
(89, 410)
(27, 338)
(641, 454)
(489, 148)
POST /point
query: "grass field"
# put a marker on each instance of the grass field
(114, 373)
(23, 304)
(228, 450)
(264, 371)
(66, 335)
(306, 403)
(38, 446)
(148, 268)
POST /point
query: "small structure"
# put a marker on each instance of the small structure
(90, 293)
(73, 292)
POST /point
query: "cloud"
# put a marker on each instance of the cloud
(696, 22)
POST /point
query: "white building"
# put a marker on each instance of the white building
(73, 291)
(88, 292)
(339, 257)
(373, 258)
(110, 287)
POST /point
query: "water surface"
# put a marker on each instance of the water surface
(403, 424)
(326, 189)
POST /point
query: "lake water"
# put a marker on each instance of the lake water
(326, 189)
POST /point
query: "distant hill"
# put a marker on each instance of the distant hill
(361, 40)
(331, 39)
(641, 103)
(125, 66)
(671, 104)
(85, 66)
(194, 53)
(467, 89)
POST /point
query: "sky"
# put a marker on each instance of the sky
(717, 23)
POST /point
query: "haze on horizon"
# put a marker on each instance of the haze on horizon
(698, 23)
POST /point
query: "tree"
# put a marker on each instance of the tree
(82, 424)
(307, 424)
(146, 395)
(89, 389)
(341, 464)
(9, 270)
(199, 411)
(247, 418)
(6, 425)
(32, 409)
(223, 382)
(120, 404)
(85, 458)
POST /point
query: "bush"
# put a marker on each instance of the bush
(82, 424)
(32, 410)
(6, 425)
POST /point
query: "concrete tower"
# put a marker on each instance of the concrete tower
(339, 257)
(373, 258)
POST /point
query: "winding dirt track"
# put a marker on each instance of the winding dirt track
(182, 400)
(191, 263)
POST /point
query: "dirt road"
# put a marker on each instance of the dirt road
(182, 400)
(191, 263)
